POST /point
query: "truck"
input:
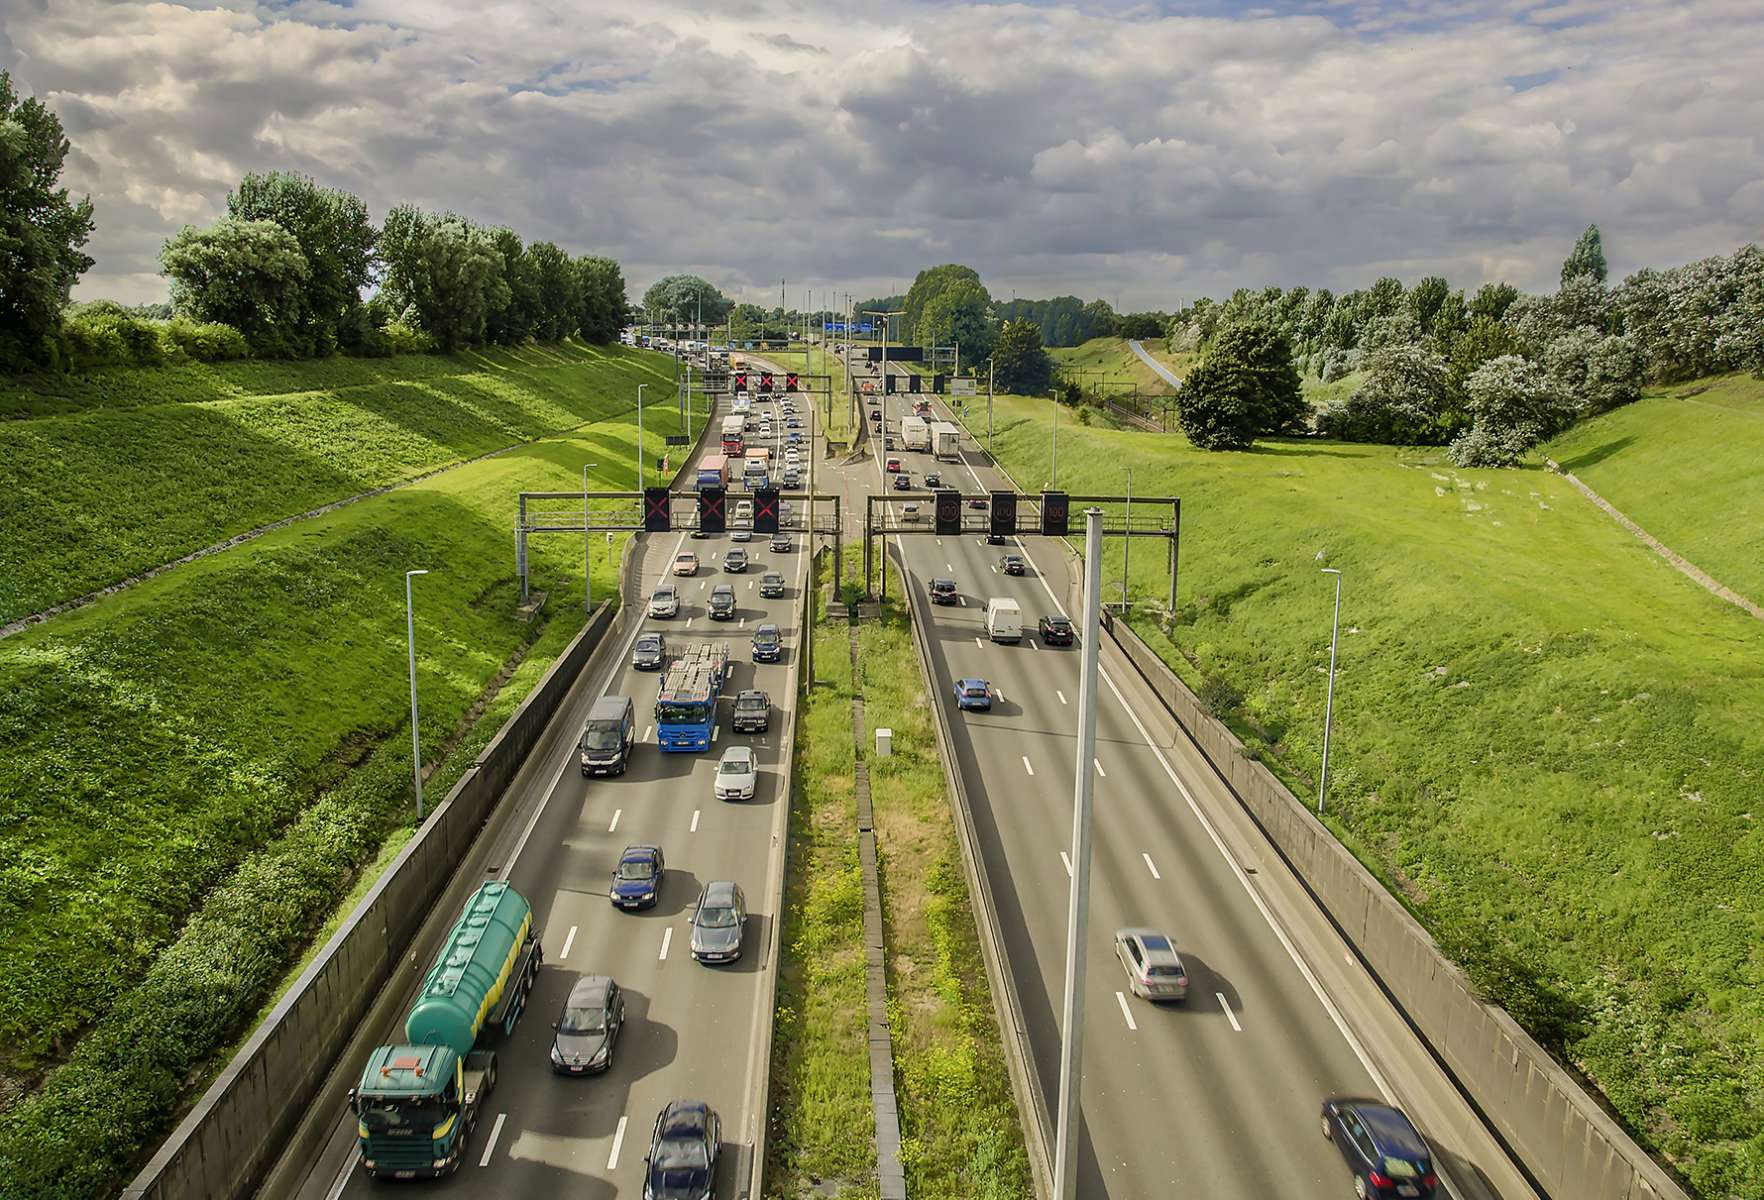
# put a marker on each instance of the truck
(733, 428)
(713, 471)
(417, 1101)
(914, 434)
(1004, 619)
(756, 468)
(944, 440)
(686, 705)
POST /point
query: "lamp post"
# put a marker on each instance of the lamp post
(587, 546)
(1127, 545)
(1054, 415)
(640, 388)
(416, 747)
(1329, 704)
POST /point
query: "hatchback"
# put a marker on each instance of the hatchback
(943, 591)
(973, 693)
(1054, 630)
(735, 560)
(637, 880)
(722, 603)
(718, 922)
(682, 1159)
(686, 563)
(768, 644)
(737, 774)
(1387, 1155)
(587, 1029)
(1154, 969)
(892, 465)
(650, 653)
(664, 601)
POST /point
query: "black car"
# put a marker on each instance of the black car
(772, 584)
(753, 712)
(1055, 631)
(903, 482)
(995, 539)
(780, 543)
(650, 653)
(588, 1027)
(977, 502)
(735, 560)
(933, 479)
(1387, 1155)
(722, 603)
(1012, 564)
(768, 644)
(943, 591)
(682, 1159)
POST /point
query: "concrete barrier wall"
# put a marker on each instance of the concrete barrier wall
(1570, 1146)
(240, 1124)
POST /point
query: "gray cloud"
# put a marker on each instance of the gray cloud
(1109, 150)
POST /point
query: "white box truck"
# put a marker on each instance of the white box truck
(944, 438)
(914, 433)
(1004, 619)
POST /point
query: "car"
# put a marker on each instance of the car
(791, 441)
(753, 712)
(933, 479)
(909, 513)
(768, 643)
(995, 539)
(780, 543)
(973, 693)
(875, 414)
(943, 591)
(741, 535)
(718, 922)
(1054, 630)
(737, 774)
(736, 560)
(1154, 969)
(792, 477)
(1383, 1149)
(682, 1159)
(792, 422)
(722, 603)
(585, 1033)
(892, 465)
(903, 482)
(772, 584)
(650, 653)
(744, 512)
(664, 601)
(686, 563)
(977, 502)
(699, 533)
(1012, 564)
(876, 420)
(637, 880)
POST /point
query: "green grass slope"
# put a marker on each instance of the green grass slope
(127, 469)
(1684, 463)
(1547, 742)
(1120, 365)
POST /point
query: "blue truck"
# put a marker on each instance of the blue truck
(686, 706)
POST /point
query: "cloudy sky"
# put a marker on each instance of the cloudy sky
(1142, 152)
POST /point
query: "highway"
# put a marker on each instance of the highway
(1217, 1096)
(691, 1030)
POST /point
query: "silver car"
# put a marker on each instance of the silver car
(737, 774)
(1154, 969)
(664, 601)
(718, 923)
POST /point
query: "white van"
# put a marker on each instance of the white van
(744, 512)
(1004, 619)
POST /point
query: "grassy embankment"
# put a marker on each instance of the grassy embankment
(1547, 742)
(1683, 463)
(1119, 366)
(960, 1130)
(198, 767)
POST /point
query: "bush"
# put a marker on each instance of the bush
(105, 334)
(204, 341)
(401, 338)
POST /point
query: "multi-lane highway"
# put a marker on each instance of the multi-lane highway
(692, 1031)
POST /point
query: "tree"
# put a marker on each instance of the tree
(556, 300)
(1493, 299)
(41, 229)
(514, 307)
(1406, 399)
(933, 282)
(445, 269)
(961, 315)
(1513, 407)
(684, 298)
(247, 274)
(600, 299)
(1594, 372)
(334, 234)
(1020, 363)
(1426, 299)
(1244, 387)
(1483, 340)
(1587, 259)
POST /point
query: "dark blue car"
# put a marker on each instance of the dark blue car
(1388, 1156)
(637, 880)
(682, 1159)
(973, 693)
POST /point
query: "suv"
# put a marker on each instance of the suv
(943, 591)
(772, 584)
(664, 601)
(736, 560)
(722, 603)
(1154, 969)
(1387, 1155)
(753, 712)
(768, 643)
(780, 543)
(1054, 631)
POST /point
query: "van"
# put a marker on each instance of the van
(608, 737)
(744, 512)
(1004, 620)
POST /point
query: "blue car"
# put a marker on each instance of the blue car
(637, 880)
(1387, 1155)
(973, 693)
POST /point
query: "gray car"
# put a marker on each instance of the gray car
(1154, 969)
(718, 923)
(588, 1027)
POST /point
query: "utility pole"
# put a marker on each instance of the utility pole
(1054, 468)
(416, 745)
(1070, 1107)
(587, 545)
(640, 450)
(1329, 704)
(1127, 544)
(991, 373)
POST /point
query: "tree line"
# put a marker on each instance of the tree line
(293, 270)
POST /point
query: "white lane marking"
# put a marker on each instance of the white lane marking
(950, 567)
(1061, 695)
(612, 1160)
(343, 1176)
(667, 940)
(704, 585)
(1026, 765)
(490, 1146)
(647, 731)
(1126, 1012)
(1150, 865)
(1228, 1014)
(715, 729)
(999, 692)
(569, 940)
(617, 813)
(1099, 769)
(962, 600)
(979, 643)
(1067, 859)
(695, 813)
(743, 622)
(750, 585)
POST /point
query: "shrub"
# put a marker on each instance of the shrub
(401, 338)
(204, 341)
(103, 333)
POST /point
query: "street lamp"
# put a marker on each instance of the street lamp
(640, 388)
(1329, 704)
(587, 545)
(1054, 417)
(416, 749)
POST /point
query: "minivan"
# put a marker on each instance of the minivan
(608, 737)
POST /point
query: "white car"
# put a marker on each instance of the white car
(737, 774)
(664, 601)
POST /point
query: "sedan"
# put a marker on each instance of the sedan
(588, 1027)
(903, 482)
(736, 560)
(1012, 564)
(682, 1159)
(722, 603)
(768, 644)
(1054, 630)
(973, 693)
(933, 479)
(637, 880)
(686, 563)
(664, 601)
(1154, 969)
(943, 591)
(1387, 1155)
(772, 584)
(753, 712)
(741, 534)
(718, 923)
(737, 774)
(780, 543)
(977, 502)
(650, 653)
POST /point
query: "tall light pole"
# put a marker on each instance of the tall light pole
(1329, 704)
(640, 388)
(990, 373)
(587, 545)
(1070, 1107)
(1054, 467)
(1127, 544)
(416, 746)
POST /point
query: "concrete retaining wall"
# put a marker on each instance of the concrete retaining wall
(1570, 1146)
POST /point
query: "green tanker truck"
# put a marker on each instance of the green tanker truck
(416, 1103)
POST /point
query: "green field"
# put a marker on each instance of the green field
(1120, 368)
(135, 467)
(1547, 742)
(1683, 463)
(237, 722)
